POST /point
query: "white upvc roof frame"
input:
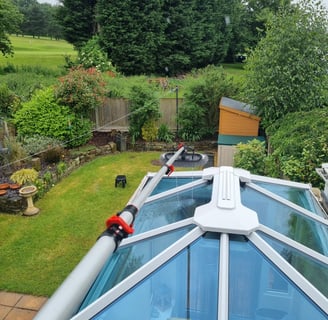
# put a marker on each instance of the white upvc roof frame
(306, 287)
(139, 275)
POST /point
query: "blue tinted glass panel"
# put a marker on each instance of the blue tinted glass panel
(128, 259)
(259, 290)
(315, 271)
(186, 287)
(287, 221)
(171, 209)
(168, 183)
(301, 197)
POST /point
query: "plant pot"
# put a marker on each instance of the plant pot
(4, 186)
(28, 193)
(3, 192)
(14, 186)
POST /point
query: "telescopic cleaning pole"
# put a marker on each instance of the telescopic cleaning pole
(66, 300)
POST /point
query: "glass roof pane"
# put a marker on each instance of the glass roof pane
(313, 270)
(286, 220)
(186, 287)
(167, 183)
(173, 208)
(128, 259)
(259, 290)
(299, 196)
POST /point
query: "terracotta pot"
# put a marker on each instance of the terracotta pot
(4, 186)
(14, 186)
(3, 192)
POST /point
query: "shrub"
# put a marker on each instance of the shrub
(36, 144)
(82, 90)
(93, 56)
(206, 93)
(149, 131)
(144, 106)
(251, 156)
(15, 152)
(191, 122)
(43, 116)
(164, 134)
(24, 176)
(9, 102)
(299, 144)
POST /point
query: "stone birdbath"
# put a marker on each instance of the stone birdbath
(28, 192)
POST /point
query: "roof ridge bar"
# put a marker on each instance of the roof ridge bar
(223, 297)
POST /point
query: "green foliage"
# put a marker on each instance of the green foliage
(36, 144)
(10, 21)
(24, 84)
(16, 151)
(164, 37)
(91, 55)
(24, 176)
(191, 122)
(43, 116)
(287, 71)
(149, 130)
(251, 156)
(144, 107)
(164, 134)
(206, 93)
(9, 102)
(78, 26)
(61, 168)
(82, 90)
(300, 144)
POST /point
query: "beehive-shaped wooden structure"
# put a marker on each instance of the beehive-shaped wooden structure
(238, 124)
(237, 118)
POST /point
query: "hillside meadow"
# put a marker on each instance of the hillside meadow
(38, 52)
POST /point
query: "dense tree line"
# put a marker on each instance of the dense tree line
(39, 19)
(165, 36)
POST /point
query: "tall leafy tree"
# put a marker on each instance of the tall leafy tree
(10, 19)
(287, 71)
(131, 33)
(257, 14)
(77, 18)
(174, 54)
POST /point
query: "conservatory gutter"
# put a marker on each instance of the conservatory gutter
(66, 300)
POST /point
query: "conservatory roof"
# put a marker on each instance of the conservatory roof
(218, 244)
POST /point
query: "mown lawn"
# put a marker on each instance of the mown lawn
(35, 52)
(37, 253)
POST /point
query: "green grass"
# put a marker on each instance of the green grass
(37, 253)
(43, 52)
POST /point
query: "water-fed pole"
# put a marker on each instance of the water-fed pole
(66, 300)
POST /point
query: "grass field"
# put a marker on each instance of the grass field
(43, 52)
(37, 253)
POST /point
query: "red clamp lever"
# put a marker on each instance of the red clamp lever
(117, 220)
(170, 169)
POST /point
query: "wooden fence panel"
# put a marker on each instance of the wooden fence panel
(114, 114)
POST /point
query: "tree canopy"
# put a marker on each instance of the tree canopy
(287, 71)
(10, 19)
(166, 37)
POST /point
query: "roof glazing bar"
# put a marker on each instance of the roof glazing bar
(294, 244)
(156, 232)
(138, 275)
(308, 289)
(281, 182)
(289, 204)
(223, 297)
(186, 186)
